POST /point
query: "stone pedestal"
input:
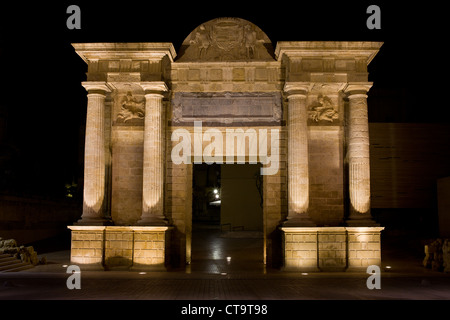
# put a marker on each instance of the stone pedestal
(150, 248)
(332, 249)
(87, 246)
(363, 247)
(120, 247)
(300, 249)
(309, 249)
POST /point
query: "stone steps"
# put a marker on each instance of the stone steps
(10, 264)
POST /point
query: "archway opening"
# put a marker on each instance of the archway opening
(227, 219)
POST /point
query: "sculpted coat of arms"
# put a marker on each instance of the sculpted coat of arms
(226, 39)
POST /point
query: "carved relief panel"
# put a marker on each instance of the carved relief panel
(323, 109)
(129, 106)
(325, 104)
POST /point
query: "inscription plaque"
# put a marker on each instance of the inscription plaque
(228, 108)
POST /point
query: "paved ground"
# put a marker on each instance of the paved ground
(212, 278)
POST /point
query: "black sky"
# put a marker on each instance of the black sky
(44, 104)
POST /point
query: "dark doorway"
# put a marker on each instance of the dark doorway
(206, 194)
(227, 219)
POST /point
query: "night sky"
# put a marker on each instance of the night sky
(43, 104)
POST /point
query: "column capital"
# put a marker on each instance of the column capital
(154, 87)
(96, 87)
(357, 88)
(297, 88)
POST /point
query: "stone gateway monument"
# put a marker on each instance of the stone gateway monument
(152, 114)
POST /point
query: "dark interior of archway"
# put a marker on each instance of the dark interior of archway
(227, 219)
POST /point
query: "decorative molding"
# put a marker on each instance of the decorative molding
(154, 86)
(302, 88)
(318, 49)
(130, 50)
(353, 88)
(97, 86)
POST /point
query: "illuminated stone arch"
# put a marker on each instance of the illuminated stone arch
(314, 93)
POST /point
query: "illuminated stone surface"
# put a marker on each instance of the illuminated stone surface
(298, 168)
(123, 247)
(358, 155)
(331, 248)
(314, 94)
(153, 163)
(94, 155)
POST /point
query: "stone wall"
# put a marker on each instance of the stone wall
(178, 207)
(127, 159)
(443, 195)
(326, 174)
(275, 204)
(33, 219)
(398, 152)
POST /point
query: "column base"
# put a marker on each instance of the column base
(299, 220)
(300, 249)
(363, 221)
(87, 221)
(152, 221)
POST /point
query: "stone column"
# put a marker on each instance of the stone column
(358, 156)
(153, 164)
(298, 170)
(94, 155)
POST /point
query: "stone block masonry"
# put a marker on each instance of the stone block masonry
(309, 249)
(300, 248)
(363, 247)
(124, 247)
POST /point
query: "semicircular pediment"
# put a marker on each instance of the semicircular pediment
(226, 39)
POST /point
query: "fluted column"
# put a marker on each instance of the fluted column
(94, 155)
(358, 155)
(153, 164)
(298, 167)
